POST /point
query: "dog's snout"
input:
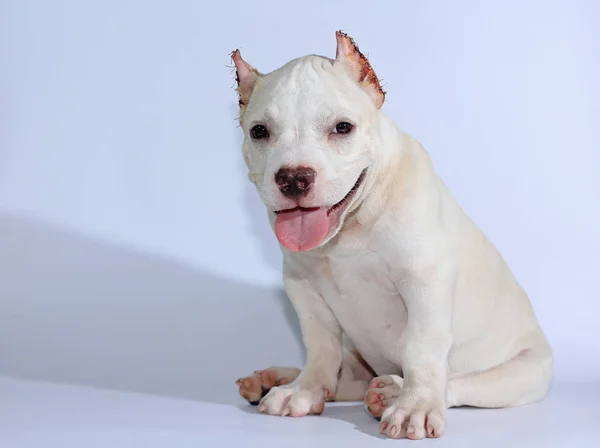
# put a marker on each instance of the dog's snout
(295, 182)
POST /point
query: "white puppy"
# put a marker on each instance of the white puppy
(402, 300)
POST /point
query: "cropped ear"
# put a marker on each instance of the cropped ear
(358, 67)
(246, 77)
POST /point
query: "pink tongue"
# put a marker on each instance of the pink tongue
(303, 229)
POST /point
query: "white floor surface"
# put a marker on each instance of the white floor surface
(38, 414)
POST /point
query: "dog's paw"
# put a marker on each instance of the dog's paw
(413, 417)
(257, 385)
(293, 400)
(382, 392)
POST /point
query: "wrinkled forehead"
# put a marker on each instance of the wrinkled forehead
(310, 87)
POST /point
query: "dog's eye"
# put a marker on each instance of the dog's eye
(259, 131)
(343, 127)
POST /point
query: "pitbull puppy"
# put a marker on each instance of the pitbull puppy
(402, 300)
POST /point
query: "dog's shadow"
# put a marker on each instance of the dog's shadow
(356, 415)
(75, 309)
(353, 413)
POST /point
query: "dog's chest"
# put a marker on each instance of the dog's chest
(366, 303)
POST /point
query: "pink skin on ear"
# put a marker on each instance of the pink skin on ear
(246, 77)
(357, 64)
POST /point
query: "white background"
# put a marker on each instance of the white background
(135, 255)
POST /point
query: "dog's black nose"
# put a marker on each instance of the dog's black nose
(295, 182)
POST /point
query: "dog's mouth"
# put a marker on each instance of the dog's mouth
(301, 229)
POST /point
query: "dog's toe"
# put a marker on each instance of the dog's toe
(382, 393)
(251, 388)
(255, 386)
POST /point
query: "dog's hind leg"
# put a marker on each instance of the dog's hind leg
(521, 380)
(256, 386)
(354, 378)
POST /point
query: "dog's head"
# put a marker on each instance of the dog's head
(308, 133)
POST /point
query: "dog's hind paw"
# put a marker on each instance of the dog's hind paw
(257, 385)
(382, 392)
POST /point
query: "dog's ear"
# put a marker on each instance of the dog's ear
(358, 67)
(246, 77)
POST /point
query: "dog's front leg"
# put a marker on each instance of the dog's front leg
(322, 337)
(420, 409)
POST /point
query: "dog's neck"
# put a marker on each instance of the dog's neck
(393, 153)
